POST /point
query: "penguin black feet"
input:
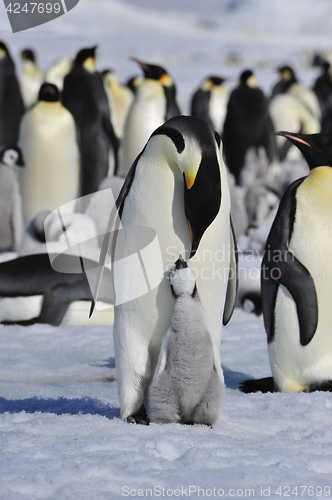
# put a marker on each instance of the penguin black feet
(320, 386)
(259, 385)
(140, 417)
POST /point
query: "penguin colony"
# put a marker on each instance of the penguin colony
(74, 130)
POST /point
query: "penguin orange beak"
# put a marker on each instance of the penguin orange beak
(293, 138)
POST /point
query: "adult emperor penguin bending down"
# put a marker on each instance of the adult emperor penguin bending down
(297, 278)
(178, 187)
(188, 384)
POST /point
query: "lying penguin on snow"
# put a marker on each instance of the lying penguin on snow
(188, 385)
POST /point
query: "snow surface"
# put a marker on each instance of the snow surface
(61, 437)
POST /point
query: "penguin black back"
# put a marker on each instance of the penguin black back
(85, 97)
(11, 102)
(247, 124)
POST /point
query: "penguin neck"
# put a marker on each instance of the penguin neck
(318, 185)
(188, 312)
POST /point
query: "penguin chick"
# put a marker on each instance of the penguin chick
(11, 219)
(210, 102)
(30, 78)
(188, 385)
(247, 124)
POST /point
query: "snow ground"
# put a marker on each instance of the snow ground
(61, 437)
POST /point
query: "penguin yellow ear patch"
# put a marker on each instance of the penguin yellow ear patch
(286, 74)
(252, 81)
(166, 80)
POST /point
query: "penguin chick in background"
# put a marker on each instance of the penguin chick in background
(210, 102)
(247, 124)
(85, 97)
(11, 102)
(30, 78)
(11, 220)
(154, 103)
(188, 385)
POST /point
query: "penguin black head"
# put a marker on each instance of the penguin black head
(85, 54)
(180, 263)
(316, 148)
(11, 156)
(287, 73)
(3, 48)
(248, 78)
(154, 72)
(28, 55)
(182, 279)
(195, 138)
(134, 82)
(48, 93)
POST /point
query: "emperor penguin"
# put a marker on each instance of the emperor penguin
(11, 102)
(154, 103)
(48, 138)
(30, 78)
(58, 70)
(210, 102)
(85, 97)
(177, 187)
(120, 98)
(289, 84)
(188, 384)
(11, 218)
(296, 278)
(289, 113)
(247, 124)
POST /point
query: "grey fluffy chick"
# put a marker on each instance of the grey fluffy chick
(188, 385)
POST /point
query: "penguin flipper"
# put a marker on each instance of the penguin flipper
(233, 279)
(283, 268)
(114, 220)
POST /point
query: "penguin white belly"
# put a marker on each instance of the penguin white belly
(24, 308)
(146, 114)
(295, 366)
(218, 107)
(30, 81)
(51, 174)
(20, 308)
(154, 308)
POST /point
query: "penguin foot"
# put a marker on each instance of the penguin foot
(259, 385)
(326, 385)
(139, 418)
